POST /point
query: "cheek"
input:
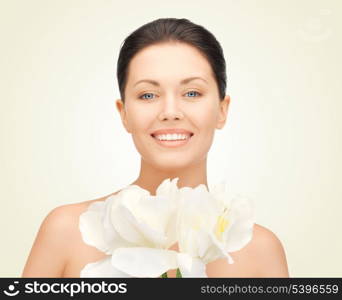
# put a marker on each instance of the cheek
(205, 117)
(139, 118)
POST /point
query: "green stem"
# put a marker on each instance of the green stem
(179, 274)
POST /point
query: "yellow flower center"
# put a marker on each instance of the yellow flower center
(221, 225)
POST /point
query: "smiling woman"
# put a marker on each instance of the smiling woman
(172, 80)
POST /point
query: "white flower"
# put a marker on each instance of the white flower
(135, 229)
(210, 225)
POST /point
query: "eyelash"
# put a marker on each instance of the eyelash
(140, 97)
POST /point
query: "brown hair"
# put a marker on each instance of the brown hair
(173, 30)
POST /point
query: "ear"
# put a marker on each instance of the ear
(224, 104)
(120, 106)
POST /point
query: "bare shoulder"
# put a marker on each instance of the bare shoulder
(263, 256)
(266, 253)
(263, 236)
(57, 240)
(62, 218)
(270, 253)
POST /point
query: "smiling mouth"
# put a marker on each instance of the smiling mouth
(172, 142)
(191, 134)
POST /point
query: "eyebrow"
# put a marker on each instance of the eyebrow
(156, 83)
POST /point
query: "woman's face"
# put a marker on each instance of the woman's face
(171, 104)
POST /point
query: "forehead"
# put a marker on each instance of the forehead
(169, 63)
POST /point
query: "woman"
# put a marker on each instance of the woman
(172, 82)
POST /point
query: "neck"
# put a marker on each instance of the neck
(151, 177)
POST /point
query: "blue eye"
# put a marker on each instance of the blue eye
(141, 97)
(149, 98)
(194, 92)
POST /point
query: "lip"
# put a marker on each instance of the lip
(171, 131)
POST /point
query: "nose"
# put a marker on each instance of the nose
(170, 110)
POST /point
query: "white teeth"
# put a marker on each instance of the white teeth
(172, 137)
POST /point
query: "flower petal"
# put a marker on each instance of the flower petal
(184, 261)
(209, 248)
(217, 250)
(230, 260)
(111, 236)
(197, 269)
(222, 193)
(102, 268)
(91, 227)
(145, 211)
(168, 188)
(240, 232)
(137, 233)
(156, 227)
(144, 262)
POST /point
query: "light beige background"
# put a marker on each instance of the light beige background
(62, 140)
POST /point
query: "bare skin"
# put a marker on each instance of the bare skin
(168, 74)
(59, 250)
